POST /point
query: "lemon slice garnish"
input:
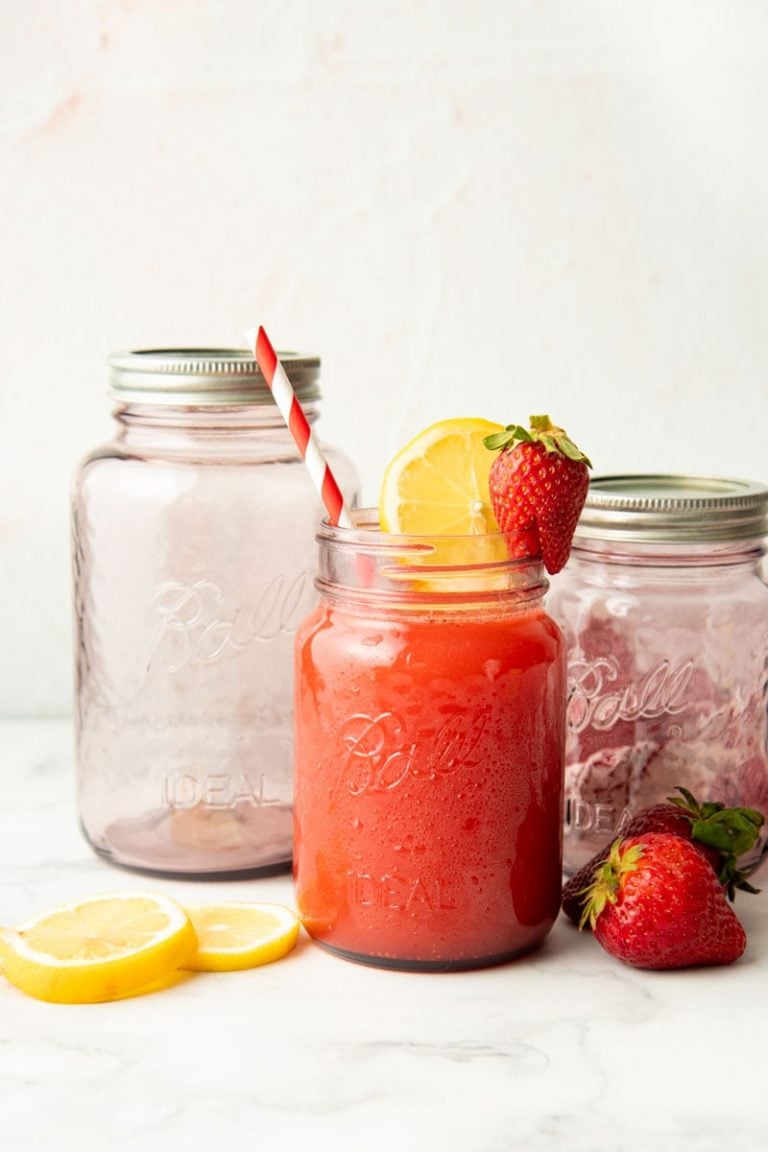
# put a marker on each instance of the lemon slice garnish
(241, 935)
(99, 949)
(437, 485)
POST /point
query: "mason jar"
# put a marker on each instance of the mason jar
(194, 560)
(430, 711)
(665, 614)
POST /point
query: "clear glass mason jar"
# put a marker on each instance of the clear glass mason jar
(665, 614)
(194, 559)
(430, 707)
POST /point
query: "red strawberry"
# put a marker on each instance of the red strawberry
(656, 903)
(538, 485)
(720, 834)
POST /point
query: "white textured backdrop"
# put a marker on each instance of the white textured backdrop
(486, 207)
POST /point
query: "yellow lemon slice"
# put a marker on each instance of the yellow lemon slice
(98, 949)
(437, 485)
(241, 935)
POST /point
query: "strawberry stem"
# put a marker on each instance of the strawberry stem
(608, 875)
(542, 431)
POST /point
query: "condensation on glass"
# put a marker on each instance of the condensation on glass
(665, 613)
(194, 561)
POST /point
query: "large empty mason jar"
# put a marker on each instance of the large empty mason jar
(665, 614)
(194, 561)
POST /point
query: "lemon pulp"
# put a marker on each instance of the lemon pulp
(437, 485)
(98, 949)
(237, 935)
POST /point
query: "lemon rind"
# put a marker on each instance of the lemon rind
(269, 948)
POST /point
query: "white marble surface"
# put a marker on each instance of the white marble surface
(563, 1050)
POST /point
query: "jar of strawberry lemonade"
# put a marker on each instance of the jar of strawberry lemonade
(430, 702)
(665, 613)
(194, 560)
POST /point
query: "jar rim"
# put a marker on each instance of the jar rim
(367, 531)
(205, 376)
(672, 508)
(364, 562)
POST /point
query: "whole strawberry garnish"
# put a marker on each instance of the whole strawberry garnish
(538, 485)
(720, 834)
(656, 903)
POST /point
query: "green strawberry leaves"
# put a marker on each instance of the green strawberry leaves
(542, 431)
(730, 831)
(512, 434)
(607, 880)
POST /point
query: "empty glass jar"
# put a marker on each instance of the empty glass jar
(665, 614)
(194, 560)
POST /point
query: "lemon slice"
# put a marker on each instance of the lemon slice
(437, 485)
(241, 935)
(98, 949)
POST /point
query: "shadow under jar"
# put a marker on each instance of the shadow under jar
(430, 705)
(194, 560)
(665, 614)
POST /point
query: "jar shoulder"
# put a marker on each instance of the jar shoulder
(724, 611)
(646, 585)
(115, 466)
(241, 447)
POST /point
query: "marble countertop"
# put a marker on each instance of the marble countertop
(563, 1050)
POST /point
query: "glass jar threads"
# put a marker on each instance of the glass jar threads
(665, 614)
(194, 560)
(430, 705)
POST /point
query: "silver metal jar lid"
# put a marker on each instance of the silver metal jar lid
(672, 510)
(204, 376)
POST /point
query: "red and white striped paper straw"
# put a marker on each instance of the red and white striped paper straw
(299, 427)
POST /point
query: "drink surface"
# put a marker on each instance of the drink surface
(428, 809)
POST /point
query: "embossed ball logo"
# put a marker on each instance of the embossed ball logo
(380, 755)
(195, 625)
(597, 698)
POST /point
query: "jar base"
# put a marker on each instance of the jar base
(407, 965)
(144, 868)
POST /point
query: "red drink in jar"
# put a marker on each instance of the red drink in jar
(430, 702)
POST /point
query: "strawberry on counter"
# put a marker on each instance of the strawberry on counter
(721, 835)
(656, 903)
